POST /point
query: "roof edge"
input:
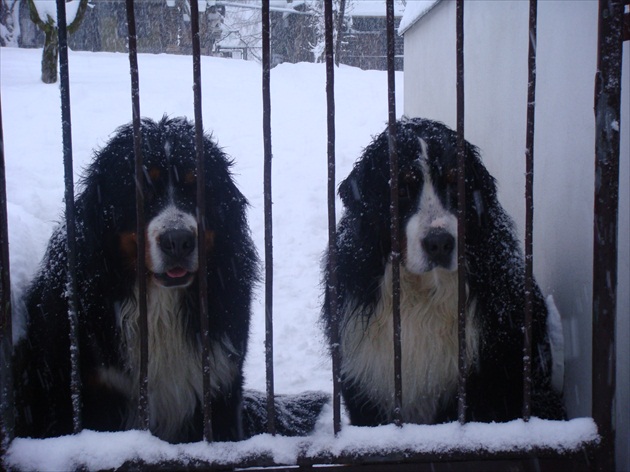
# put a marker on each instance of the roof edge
(412, 22)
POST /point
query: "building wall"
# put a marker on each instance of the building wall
(496, 48)
(364, 44)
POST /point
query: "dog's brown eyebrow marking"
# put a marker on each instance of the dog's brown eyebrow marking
(451, 175)
(190, 177)
(410, 176)
(209, 237)
(128, 245)
(154, 174)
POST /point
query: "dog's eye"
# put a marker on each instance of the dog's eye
(408, 184)
(452, 176)
(149, 193)
(404, 193)
(409, 178)
(154, 174)
(190, 178)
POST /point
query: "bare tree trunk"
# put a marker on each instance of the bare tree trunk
(9, 22)
(50, 54)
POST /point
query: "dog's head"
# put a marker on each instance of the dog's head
(170, 200)
(428, 201)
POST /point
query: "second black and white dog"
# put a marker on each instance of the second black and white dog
(495, 283)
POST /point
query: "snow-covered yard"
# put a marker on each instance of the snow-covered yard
(232, 110)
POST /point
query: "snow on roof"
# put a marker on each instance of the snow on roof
(91, 450)
(373, 8)
(414, 11)
(284, 4)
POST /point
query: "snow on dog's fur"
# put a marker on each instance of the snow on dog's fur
(429, 289)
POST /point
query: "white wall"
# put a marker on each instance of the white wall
(496, 48)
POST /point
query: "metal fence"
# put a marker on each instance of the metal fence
(612, 32)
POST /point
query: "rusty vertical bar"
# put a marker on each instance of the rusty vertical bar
(529, 212)
(332, 223)
(607, 136)
(266, 90)
(201, 222)
(6, 326)
(395, 225)
(461, 216)
(143, 399)
(66, 125)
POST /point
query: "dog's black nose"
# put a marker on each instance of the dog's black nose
(439, 246)
(177, 242)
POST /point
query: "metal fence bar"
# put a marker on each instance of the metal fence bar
(66, 126)
(6, 326)
(143, 400)
(266, 90)
(461, 216)
(332, 223)
(394, 213)
(529, 212)
(607, 137)
(201, 222)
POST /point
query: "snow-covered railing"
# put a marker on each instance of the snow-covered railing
(392, 444)
(543, 440)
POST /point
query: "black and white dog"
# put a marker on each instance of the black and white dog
(108, 325)
(495, 284)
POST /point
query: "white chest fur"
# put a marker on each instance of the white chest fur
(175, 380)
(429, 345)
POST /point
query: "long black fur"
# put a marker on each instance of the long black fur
(105, 209)
(495, 273)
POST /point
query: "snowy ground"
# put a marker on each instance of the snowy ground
(232, 110)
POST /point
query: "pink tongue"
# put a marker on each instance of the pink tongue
(176, 272)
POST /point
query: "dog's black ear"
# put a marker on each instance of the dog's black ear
(482, 188)
(350, 190)
(368, 182)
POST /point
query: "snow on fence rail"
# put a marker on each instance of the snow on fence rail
(529, 437)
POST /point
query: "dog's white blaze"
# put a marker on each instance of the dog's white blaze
(175, 365)
(168, 147)
(168, 219)
(429, 345)
(430, 214)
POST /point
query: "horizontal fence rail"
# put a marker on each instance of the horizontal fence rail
(607, 113)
